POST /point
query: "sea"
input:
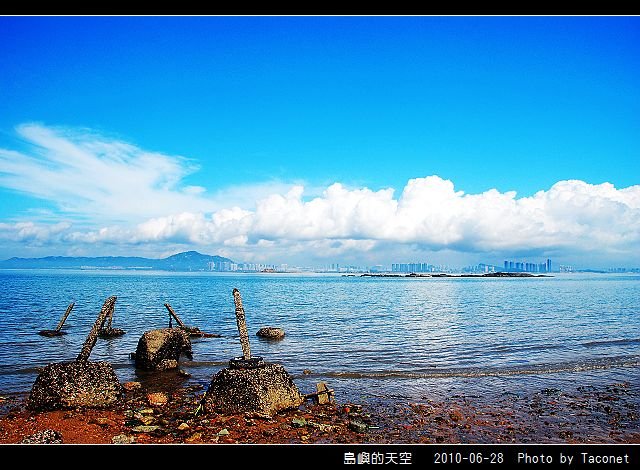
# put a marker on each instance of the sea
(366, 337)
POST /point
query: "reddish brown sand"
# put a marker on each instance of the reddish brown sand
(584, 415)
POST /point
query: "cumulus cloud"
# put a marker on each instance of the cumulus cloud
(571, 215)
(278, 219)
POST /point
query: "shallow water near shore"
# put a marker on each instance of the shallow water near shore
(367, 337)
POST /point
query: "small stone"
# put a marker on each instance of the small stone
(298, 423)
(184, 373)
(47, 436)
(123, 439)
(183, 427)
(306, 371)
(357, 426)
(157, 398)
(145, 428)
(455, 415)
(147, 420)
(270, 332)
(131, 386)
(321, 427)
(223, 432)
(195, 437)
(145, 411)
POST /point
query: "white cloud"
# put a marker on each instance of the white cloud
(86, 174)
(99, 178)
(572, 216)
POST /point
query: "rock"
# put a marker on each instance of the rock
(184, 373)
(455, 415)
(223, 432)
(145, 428)
(160, 349)
(357, 426)
(321, 427)
(266, 389)
(123, 439)
(131, 386)
(195, 437)
(146, 411)
(75, 384)
(270, 332)
(47, 436)
(147, 420)
(157, 398)
(110, 332)
(306, 371)
(298, 423)
(184, 427)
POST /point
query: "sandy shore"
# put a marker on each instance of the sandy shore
(604, 414)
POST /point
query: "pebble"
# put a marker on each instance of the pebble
(321, 427)
(123, 439)
(298, 423)
(145, 428)
(146, 420)
(196, 437)
(357, 426)
(157, 398)
(223, 432)
(131, 386)
(183, 427)
(47, 436)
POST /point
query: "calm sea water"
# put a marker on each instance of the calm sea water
(364, 336)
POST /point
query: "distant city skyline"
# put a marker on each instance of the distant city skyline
(308, 140)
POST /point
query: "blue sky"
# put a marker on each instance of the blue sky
(237, 110)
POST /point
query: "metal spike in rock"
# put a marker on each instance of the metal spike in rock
(79, 383)
(193, 331)
(64, 317)
(90, 342)
(173, 314)
(242, 325)
(57, 332)
(246, 361)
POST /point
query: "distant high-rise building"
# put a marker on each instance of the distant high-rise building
(548, 265)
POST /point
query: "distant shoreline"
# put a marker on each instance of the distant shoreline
(498, 274)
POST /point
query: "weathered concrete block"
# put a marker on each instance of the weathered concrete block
(75, 384)
(267, 389)
(160, 349)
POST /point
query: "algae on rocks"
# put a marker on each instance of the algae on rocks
(266, 389)
(79, 383)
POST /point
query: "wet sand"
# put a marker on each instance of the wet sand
(607, 413)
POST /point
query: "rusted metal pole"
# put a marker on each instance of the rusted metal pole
(90, 342)
(174, 315)
(64, 317)
(242, 325)
(110, 318)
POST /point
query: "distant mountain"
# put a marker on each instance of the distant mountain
(187, 261)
